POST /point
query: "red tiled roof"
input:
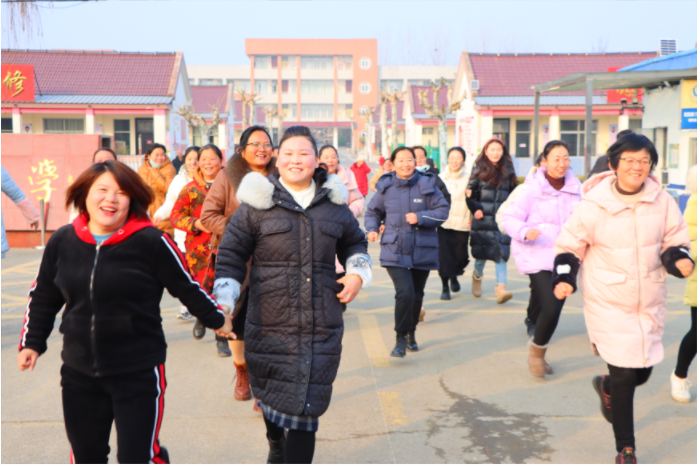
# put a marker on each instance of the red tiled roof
(388, 111)
(513, 75)
(97, 73)
(205, 97)
(442, 98)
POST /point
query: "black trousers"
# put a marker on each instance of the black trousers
(135, 401)
(550, 307)
(409, 286)
(688, 347)
(300, 445)
(622, 382)
(533, 305)
(453, 253)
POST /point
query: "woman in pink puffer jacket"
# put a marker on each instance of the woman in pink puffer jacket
(624, 236)
(534, 220)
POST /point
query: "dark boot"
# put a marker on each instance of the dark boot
(446, 292)
(454, 284)
(277, 451)
(400, 349)
(199, 329)
(223, 347)
(412, 346)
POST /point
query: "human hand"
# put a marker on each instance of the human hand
(226, 329)
(478, 215)
(412, 218)
(382, 229)
(198, 225)
(34, 225)
(155, 221)
(685, 266)
(532, 234)
(595, 350)
(372, 236)
(27, 359)
(563, 290)
(352, 285)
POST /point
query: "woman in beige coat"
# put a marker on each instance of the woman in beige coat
(158, 172)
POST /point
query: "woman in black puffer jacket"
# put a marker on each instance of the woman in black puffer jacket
(492, 180)
(293, 225)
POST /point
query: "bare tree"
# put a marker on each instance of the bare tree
(394, 96)
(269, 113)
(248, 101)
(600, 45)
(280, 116)
(368, 116)
(384, 98)
(196, 121)
(440, 113)
(21, 18)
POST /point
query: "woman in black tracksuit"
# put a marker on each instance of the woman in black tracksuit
(109, 268)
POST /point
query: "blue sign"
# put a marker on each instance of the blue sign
(689, 118)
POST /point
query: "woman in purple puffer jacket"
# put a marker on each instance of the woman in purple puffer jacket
(534, 219)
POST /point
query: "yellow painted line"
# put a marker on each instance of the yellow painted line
(12, 317)
(392, 408)
(19, 267)
(15, 298)
(5, 283)
(374, 343)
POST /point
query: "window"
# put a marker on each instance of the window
(122, 136)
(230, 81)
(274, 62)
(210, 82)
(64, 126)
(211, 137)
(284, 86)
(427, 131)
(243, 84)
(317, 111)
(292, 86)
(364, 63)
(344, 62)
(274, 87)
(501, 129)
(574, 133)
(289, 110)
(262, 62)
(261, 87)
(635, 124)
(7, 125)
(391, 84)
(363, 110)
(192, 82)
(522, 138)
(289, 62)
(317, 86)
(364, 88)
(349, 86)
(317, 62)
(348, 111)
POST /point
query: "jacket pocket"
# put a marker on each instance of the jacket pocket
(389, 246)
(275, 226)
(114, 328)
(76, 327)
(426, 249)
(271, 294)
(332, 306)
(332, 229)
(658, 276)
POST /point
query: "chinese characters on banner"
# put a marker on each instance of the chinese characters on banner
(17, 83)
(40, 180)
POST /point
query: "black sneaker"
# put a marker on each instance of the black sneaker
(223, 347)
(605, 403)
(628, 455)
(446, 293)
(454, 285)
(412, 346)
(400, 349)
(199, 330)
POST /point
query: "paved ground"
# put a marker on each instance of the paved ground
(466, 396)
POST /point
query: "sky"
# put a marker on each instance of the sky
(408, 32)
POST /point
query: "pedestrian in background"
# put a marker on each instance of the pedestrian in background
(10, 189)
(101, 155)
(178, 161)
(253, 154)
(534, 220)
(185, 216)
(158, 172)
(107, 271)
(423, 166)
(492, 180)
(453, 235)
(680, 385)
(385, 167)
(601, 164)
(361, 170)
(626, 234)
(410, 207)
(293, 224)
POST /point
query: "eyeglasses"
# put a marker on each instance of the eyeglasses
(632, 162)
(257, 145)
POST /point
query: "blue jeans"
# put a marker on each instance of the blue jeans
(501, 270)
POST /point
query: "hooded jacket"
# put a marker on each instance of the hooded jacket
(159, 180)
(407, 245)
(625, 253)
(539, 206)
(361, 173)
(294, 322)
(355, 201)
(111, 323)
(456, 186)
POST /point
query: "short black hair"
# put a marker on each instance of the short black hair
(298, 131)
(624, 132)
(631, 143)
(328, 146)
(193, 148)
(244, 138)
(460, 150)
(414, 148)
(152, 147)
(399, 149)
(552, 144)
(212, 147)
(104, 149)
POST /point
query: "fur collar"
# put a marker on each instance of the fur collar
(237, 168)
(257, 190)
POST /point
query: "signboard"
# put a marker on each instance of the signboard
(617, 95)
(17, 83)
(689, 105)
(689, 118)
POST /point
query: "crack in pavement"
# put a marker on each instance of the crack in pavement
(494, 436)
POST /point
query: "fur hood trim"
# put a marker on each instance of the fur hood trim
(257, 191)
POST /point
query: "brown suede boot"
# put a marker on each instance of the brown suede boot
(242, 391)
(477, 285)
(502, 295)
(536, 361)
(422, 315)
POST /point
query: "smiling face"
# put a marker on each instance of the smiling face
(331, 159)
(210, 164)
(297, 162)
(258, 151)
(107, 205)
(455, 161)
(420, 157)
(494, 152)
(191, 161)
(633, 169)
(557, 162)
(158, 156)
(404, 164)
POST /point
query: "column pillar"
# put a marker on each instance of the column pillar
(222, 135)
(89, 121)
(554, 127)
(335, 137)
(16, 121)
(486, 125)
(622, 123)
(298, 104)
(160, 127)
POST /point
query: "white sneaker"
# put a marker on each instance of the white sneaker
(184, 314)
(680, 388)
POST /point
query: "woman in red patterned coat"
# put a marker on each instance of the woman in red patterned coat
(186, 215)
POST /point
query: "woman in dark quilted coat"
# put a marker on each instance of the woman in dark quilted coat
(492, 180)
(292, 225)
